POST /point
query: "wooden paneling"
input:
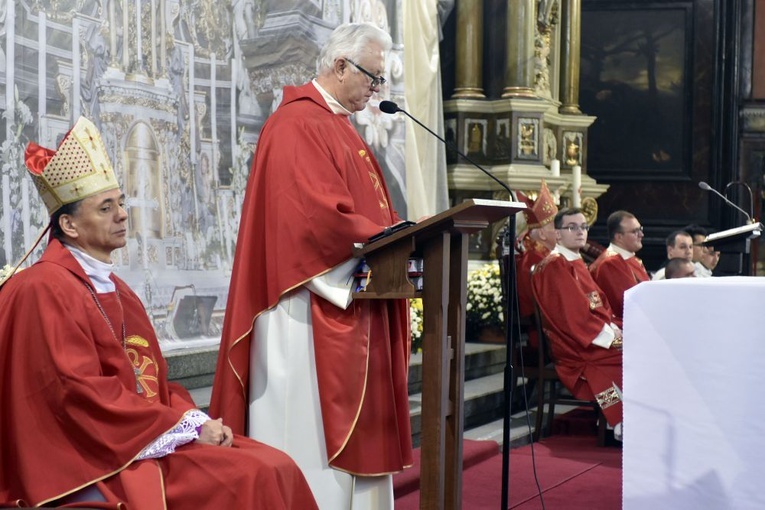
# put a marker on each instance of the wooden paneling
(758, 68)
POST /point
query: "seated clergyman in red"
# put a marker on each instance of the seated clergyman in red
(618, 269)
(535, 245)
(585, 336)
(87, 411)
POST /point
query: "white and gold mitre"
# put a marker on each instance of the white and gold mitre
(80, 168)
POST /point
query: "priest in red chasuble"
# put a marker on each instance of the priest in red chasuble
(618, 268)
(585, 336)
(88, 414)
(535, 244)
(302, 367)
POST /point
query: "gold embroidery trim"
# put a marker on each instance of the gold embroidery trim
(608, 398)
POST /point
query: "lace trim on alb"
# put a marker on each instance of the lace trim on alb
(184, 432)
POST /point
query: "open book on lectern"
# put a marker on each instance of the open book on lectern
(734, 235)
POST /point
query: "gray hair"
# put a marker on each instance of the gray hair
(349, 40)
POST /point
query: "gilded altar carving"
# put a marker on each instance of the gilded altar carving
(475, 142)
(528, 138)
(589, 208)
(550, 146)
(572, 147)
(547, 21)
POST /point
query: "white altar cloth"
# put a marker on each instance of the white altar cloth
(694, 394)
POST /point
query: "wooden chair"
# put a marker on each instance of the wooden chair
(525, 365)
(551, 392)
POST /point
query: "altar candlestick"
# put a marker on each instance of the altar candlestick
(576, 185)
(555, 168)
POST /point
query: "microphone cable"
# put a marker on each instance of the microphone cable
(512, 320)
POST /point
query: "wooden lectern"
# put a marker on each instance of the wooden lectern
(442, 242)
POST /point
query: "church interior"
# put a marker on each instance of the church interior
(656, 107)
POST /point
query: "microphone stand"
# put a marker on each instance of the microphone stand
(510, 299)
(741, 256)
(751, 199)
(510, 302)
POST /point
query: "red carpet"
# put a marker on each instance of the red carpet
(573, 472)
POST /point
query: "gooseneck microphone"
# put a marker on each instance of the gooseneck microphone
(706, 187)
(749, 189)
(391, 108)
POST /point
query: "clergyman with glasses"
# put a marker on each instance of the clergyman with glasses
(705, 258)
(618, 268)
(585, 337)
(303, 367)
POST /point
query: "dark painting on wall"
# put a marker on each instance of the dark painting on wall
(635, 73)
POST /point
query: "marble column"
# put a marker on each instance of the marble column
(6, 219)
(125, 35)
(154, 40)
(76, 66)
(571, 37)
(138, 39)
(214, 115)
(469, 62)
(112, 33)
(42, 68)
(519, 71)
(163, 38)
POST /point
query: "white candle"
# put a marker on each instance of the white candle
(576, 185)
(555, 168)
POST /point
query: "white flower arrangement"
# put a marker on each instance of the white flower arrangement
(415, 317)
(5, 273)
(484, 306)
(484, 298)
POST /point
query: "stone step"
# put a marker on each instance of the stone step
(483, 404)
(195, 368)
(484, 382)
(192, 368)
(480, 360)
(484, 366)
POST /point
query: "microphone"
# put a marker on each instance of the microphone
(751, 200)
(706, 187)
(391, 108)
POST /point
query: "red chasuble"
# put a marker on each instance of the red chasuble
(534, 252)
(314, 190)
(575, 311)
(79, 405)
(614, 275)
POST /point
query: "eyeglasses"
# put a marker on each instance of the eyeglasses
(576, 228)
(705, 248)
(376, 80)
(636, 231)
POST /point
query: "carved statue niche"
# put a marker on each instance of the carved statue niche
(572, 147)
(572, 152)
(475, 141)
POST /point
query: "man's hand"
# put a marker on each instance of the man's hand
(215, 433)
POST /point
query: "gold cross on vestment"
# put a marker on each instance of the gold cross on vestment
(142, 379)
(92, 139)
